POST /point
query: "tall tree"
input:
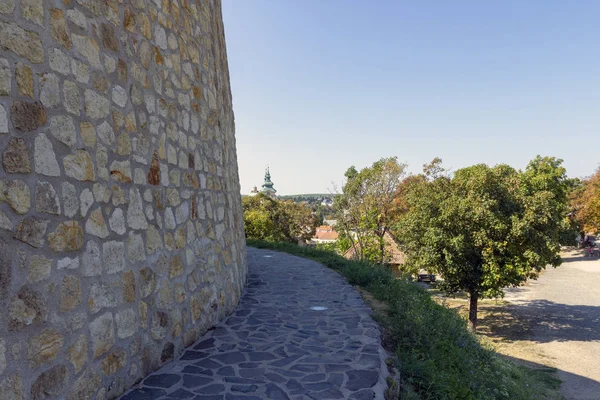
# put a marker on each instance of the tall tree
(486, 228)
(366, 209)
(585, 203)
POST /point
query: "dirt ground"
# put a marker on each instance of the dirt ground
(553, 322)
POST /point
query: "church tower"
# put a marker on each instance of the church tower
(267, 187)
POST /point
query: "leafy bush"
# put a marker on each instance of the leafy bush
(277, 221)
(439, 358)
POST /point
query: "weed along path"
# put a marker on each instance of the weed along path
(561, 315)
(300, 332)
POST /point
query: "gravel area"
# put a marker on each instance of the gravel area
(563, 310)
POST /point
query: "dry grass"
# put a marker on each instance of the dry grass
(499, 326)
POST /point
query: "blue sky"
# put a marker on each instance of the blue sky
(319, 86)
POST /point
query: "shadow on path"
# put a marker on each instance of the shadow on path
(573, 386)
(552, 321)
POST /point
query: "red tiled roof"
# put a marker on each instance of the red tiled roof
(331, 235)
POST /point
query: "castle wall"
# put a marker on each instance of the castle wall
(121, 230)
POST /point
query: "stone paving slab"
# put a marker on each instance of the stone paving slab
(275, 347)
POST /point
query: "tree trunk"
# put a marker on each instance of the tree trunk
(473, 311)
(381, 248)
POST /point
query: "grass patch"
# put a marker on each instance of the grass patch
(439, 358)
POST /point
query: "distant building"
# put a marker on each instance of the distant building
(330, 222)
(267, 186)
(253, 192)
(325, 234)
(327, 203)
(394, 257)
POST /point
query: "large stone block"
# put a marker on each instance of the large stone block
(102, 331)
(70, 293)
(27, 116)
(68, 236)
(77, 353)
(44, 347)
(25, 43)
(15, 158)
(50, 383)
(46, 199)
(27, 307)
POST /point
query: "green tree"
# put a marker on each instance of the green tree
(302, 221)
(585, 204)
(365, 208)
(486, 228)
(277, 221)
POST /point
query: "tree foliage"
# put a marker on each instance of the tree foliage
(277, 221)
(585, 203)
(486, 228)
(365, 208)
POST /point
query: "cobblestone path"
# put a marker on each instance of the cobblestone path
(275, 347)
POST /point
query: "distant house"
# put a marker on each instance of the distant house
(327, 202)
(330, 222)
(254, 191)
(325, 234)
(394, 257)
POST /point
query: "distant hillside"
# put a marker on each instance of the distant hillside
(306, 197)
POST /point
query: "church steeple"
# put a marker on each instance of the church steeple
(267, 186)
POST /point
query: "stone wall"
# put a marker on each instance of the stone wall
(121, 232)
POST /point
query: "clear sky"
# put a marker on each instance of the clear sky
(319, 86)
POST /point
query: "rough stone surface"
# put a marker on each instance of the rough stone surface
(22, 42)
(101, 296)
(39, 269)
(118, 153)
(27, 116)
(32, 230)
(11, 388)
(62, 128)
(96, 225)
(114, 256)
(87, 201)
(24, 76)
(275, 347)
(5, 222)
(91, 259)
(69, 198)
(46, 199)
(50, 90)
(27, 307)
(50, 383)
(96, 105)
(102, 331)
(3, 120)
(33, 10)
(44, 157)
(18, 196)
(44, 347)
(68, 236)
(77, 353)
(5, 77)
(59, 61)
(15, 158)
(79, 166)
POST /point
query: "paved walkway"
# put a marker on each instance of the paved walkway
(275, 347)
